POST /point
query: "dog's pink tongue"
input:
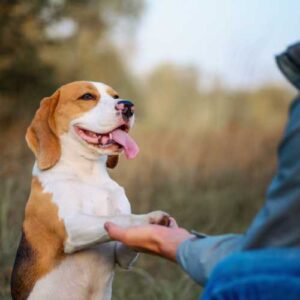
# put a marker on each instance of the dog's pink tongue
(130, 147)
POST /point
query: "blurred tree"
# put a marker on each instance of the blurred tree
(22, 35)
(48, 42)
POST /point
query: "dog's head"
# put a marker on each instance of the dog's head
(89, 113)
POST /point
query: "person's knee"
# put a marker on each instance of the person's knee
(256, 273)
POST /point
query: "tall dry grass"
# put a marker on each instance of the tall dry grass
(212, 181)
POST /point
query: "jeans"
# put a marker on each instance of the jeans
(269, 274)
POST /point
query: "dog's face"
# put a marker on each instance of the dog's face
(91, 114)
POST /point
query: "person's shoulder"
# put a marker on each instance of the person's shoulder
(295, 106)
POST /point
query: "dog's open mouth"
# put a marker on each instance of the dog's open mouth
(118, 137)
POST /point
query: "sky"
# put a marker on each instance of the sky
(235, 40)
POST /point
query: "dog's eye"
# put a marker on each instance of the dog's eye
(87, 96)
(116, 96)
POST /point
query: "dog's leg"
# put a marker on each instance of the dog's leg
(125, 256)
(84, 230)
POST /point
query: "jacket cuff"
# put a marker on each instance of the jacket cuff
(198, 256)
(186, 254)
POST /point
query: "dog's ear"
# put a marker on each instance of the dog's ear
(112, 161)
(41, 135)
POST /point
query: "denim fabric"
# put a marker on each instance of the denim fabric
(272, 274)
(276, 225)
(278, 222)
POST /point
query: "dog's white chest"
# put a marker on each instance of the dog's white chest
(89, 191)
(91, 268)
(73, 196)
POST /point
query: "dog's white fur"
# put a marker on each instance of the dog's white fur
(87, 197)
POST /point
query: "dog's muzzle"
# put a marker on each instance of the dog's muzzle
(126, 108)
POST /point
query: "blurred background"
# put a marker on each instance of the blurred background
(211, 106)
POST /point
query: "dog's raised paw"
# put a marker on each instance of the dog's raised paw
(159, 217)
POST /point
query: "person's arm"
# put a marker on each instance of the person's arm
(278, 222)
(154, 239)
(275, 224)
(196, 255)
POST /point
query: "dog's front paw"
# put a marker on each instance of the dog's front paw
(159, 217)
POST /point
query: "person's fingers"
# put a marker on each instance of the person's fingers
(172, 223)
(115, 232)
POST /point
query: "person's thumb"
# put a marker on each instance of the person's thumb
(115, 232)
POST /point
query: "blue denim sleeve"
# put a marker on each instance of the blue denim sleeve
(276, 224)
(198, 256)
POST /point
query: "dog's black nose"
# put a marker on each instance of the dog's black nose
(126, 107)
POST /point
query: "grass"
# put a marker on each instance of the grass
(213, 183)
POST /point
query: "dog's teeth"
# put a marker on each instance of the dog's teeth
(110, 136)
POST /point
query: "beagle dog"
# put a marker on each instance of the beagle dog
(65, 252)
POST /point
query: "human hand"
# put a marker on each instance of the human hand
(155, 239)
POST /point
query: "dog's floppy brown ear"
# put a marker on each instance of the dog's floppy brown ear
(112, 161)
(41, 135)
